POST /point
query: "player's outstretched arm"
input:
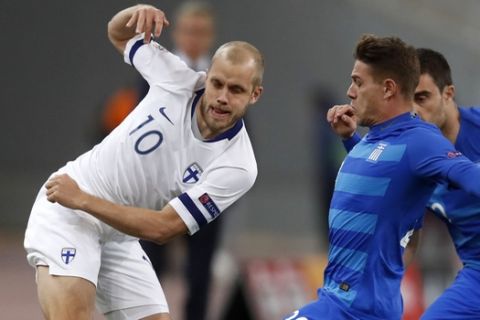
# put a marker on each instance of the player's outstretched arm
(157, 226)
(141, 18)
(342, 119)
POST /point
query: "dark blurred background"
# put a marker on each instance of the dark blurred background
(58, 68)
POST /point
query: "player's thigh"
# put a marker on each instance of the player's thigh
(128, 282)
(63, 245)
(63, 297)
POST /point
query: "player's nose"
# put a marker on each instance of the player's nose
(351, 92)
(222, 96)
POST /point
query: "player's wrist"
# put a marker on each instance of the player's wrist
(348, 135)
(84, 202)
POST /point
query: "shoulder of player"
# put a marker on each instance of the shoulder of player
(239, 169)
(420, 138)
(238, 154)
(470, 114)
(422, 130)
(240, 151)
(154, 50)
(426, 144)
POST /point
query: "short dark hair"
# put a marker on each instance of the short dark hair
(390, 57)
(435, 64)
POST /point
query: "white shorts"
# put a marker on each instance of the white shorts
(73, 243)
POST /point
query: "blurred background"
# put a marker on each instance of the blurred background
(59, 69)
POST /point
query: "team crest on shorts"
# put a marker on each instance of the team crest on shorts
(68, 254)
(192, 174)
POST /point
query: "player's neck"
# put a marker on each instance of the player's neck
(394, 108)
(451, 128)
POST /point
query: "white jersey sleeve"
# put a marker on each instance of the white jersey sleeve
(160, 67)
(219, 189)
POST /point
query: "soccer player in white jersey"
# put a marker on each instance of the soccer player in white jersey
(174, 164)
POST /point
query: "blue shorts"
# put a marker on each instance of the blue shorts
(460, 301)
(325, 308)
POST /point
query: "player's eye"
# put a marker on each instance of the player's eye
(237, 89)
(216, 84)
(420, 98)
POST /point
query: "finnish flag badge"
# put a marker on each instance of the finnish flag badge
(192, 174)
(68, 254)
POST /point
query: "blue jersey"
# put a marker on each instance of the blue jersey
(380, 192)
(458, 209)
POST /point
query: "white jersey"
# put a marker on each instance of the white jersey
(154, 156)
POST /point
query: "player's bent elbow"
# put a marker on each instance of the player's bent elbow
(156, 237)
(166, 233)
(118, 43)
(164, 226)
(161, 237)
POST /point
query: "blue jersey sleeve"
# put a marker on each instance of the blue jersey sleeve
(433, 157)
(466, 175)
(351, 142)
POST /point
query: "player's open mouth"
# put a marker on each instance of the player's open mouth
(219, 113)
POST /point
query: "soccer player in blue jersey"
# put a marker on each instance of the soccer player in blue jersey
(178, 160)
(434, 98)
(382, 185)
(434, 102)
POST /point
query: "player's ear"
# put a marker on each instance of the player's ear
(256, 93)
(389, 88)
(449, 92)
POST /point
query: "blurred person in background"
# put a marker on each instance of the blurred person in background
(329, 153)
(178, 160)
(194, 34)
(373, 210)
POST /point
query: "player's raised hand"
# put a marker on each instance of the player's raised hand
(148, 19)
(342, 119)
(64, 190)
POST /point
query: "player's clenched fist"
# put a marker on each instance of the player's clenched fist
(65, 191)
